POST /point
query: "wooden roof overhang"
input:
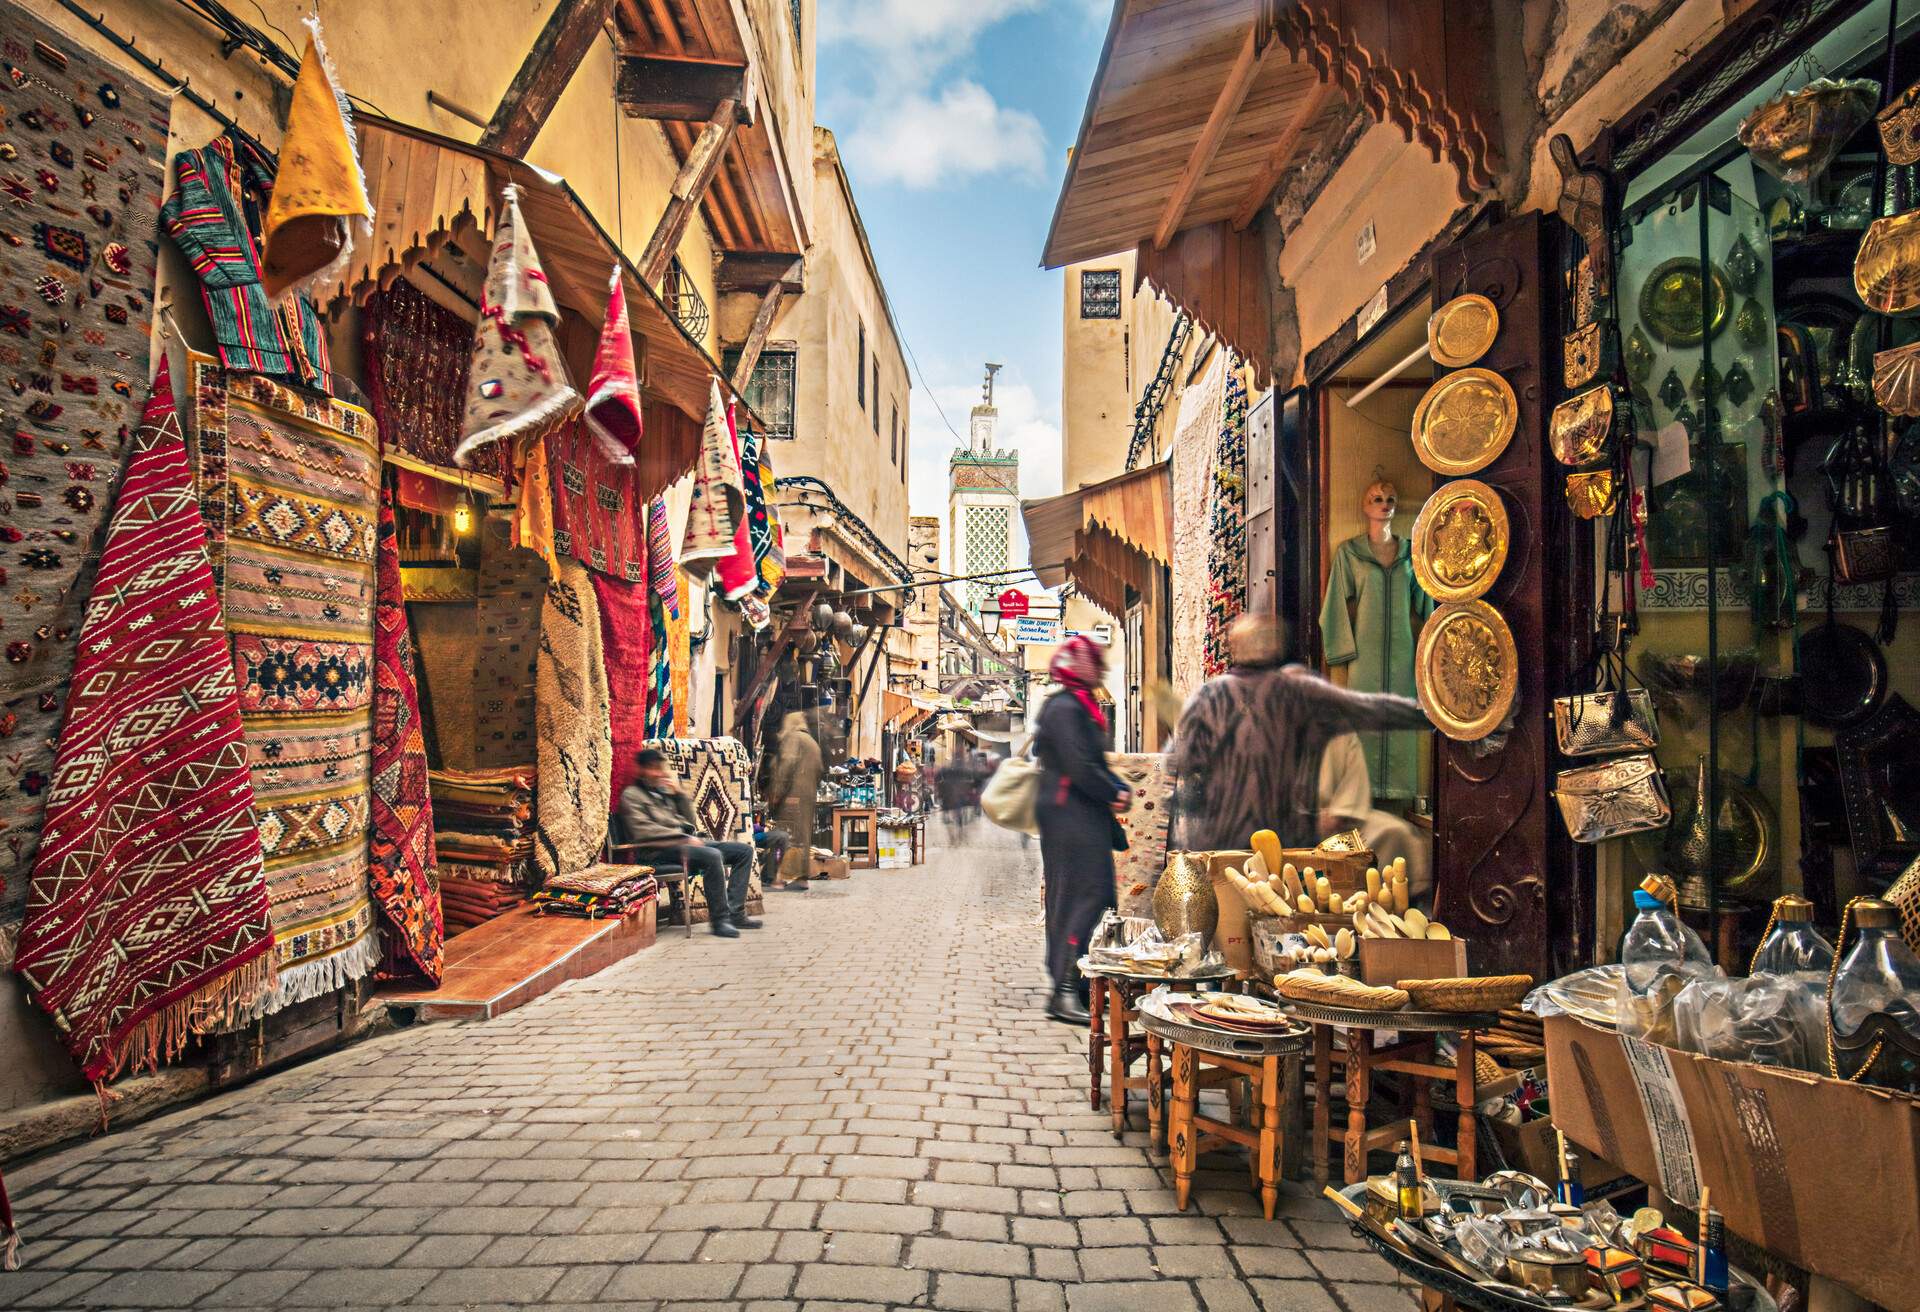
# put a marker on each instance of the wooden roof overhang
(1105, 538)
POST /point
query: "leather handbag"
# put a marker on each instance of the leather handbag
(1609, 799)
(1012, 795)
(1615, 717)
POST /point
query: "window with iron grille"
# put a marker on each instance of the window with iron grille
(678, 291)
(989, 538)
(860, 369)
(1100, 293)
(770, 390)
(793, 8)
(893, 431)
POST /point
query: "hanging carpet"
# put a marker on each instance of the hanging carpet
(289, 489)
(1227, 536)
(626, 631)
(572, 732)
(718, 506)
(147, 918)
(599, 516)
(663, 576)
(76, 293)
(513, 584)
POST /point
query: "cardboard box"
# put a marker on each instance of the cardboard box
(1390, 960)
(1533, 1148)
(1231, 936)
(1823, 1173)
(831, 867)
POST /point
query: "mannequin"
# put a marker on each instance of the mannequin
(1368, 622)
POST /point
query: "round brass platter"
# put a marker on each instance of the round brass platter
(1461, 330)
(1466, 670)
(1670, 303)
(1464, 422)
(1460, 541)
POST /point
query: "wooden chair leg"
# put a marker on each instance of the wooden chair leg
(1096, 1034)
(1322, 1099)
(1156, 1096)
(1268, 1156)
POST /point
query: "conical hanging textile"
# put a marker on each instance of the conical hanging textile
(319, 202)
(613, 394)
(719, 506)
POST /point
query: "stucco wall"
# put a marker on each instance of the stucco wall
(1100, 359)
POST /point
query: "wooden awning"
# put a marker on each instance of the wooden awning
(1105, 538)
(429, 190)
(1200, 107)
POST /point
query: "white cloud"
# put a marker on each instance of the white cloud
(913, 38)
(919, 141)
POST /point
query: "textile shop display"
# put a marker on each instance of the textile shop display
(483, 824)
(147, 920)
(401, 860)
(764, 534)
(736, 573)
(288, 484)
(613, 412)
(1195, 446)
(717, 774)
(517, 385)
(680, 657)
(83, 175)
(319, 203)
(626, 634)
(598, 892)
(214, 216)
(719, 504)
(474, 902)
(663, 607)
(513, 583)
(1227, 536)
(416, 354)
(1147, 826)
(571, 729)
(599, 517)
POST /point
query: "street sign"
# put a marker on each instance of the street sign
(1100, 633)
(1014, 604)
(1029, 630)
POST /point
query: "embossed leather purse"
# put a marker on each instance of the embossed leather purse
(1595, 723)
(1609, 799)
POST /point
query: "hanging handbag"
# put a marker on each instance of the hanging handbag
(1608, 799)
(1012, 796)
(1615, 717)
(1904, 894)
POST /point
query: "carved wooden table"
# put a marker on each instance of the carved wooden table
(1204, 1057)
(1114, 1044)
(1413, 1054)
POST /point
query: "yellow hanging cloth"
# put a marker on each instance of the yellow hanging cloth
(319, 194)
(533, 517)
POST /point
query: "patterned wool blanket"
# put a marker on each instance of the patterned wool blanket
(626, 630)
(147, 920)
(573, 733)
(401, 861)
(717, 774)
(718, 509)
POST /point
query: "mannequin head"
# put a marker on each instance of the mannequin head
(1378, 504)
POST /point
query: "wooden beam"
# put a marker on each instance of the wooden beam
(761, 330)
(544, 74)
(1281, 156)
(797, 624)
(752, 271)
(689, 189)
(1246, 65)
(677, 87)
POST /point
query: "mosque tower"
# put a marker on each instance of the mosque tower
(983, 501)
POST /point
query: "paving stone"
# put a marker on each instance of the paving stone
(882, 1218)
(1293, 1296)
(509, 1285)
(1185, 1260)
(670, 1281)
(972, 1293)
(1131, 1296)
(860, 1284)
(1352, 1266)
(970, 1256)
(1101, 1232)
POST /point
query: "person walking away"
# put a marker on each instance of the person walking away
(1078, 800)
(659, 820)
(1248, 750)
(792, 795)
(954, 784)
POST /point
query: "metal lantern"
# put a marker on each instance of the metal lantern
(822, 616)
(857, 635)
(807, 643)
(842, 626)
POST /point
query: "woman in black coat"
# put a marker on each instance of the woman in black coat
(1078, 799)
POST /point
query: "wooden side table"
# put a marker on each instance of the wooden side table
(1413, 1054)
(862, 850)
(1114, 1043)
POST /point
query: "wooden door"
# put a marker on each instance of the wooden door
(1262, 594)
(1502, 862)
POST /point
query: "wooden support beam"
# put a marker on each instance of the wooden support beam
(1246, 66)
(763, 672)
(761, 330)
(677, 87)
(752, 271)
(1280, 158)
(689, 189)
(544, 74)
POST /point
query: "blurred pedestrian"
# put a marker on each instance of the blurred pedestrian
(791, 795)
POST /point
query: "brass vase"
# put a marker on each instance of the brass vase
(1183, 900)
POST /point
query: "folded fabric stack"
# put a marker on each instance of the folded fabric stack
(483, 824)
(598, 891)
(469, 902)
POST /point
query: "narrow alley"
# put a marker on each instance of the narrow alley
(857, 1104)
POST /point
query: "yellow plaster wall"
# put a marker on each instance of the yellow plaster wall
(1097, 388)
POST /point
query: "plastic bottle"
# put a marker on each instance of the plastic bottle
(1793, 946)
(1657, 939)
(1879, 979)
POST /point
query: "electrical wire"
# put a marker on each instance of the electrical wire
(931, 396)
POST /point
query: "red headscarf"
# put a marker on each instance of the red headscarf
(1077, 667)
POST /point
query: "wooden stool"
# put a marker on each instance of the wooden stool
(1114, 1043)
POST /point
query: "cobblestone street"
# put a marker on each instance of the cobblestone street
(859, 1104)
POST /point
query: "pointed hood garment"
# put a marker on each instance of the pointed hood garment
(319, 202)
(738, 573)
(719, 507)
(518, 385)
(613, 395)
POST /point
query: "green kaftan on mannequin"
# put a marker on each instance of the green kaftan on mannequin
(1367, 624)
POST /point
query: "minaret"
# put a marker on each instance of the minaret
(983, 500)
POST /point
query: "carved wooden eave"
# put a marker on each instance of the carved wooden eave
(1424, 66)
(1221, 277)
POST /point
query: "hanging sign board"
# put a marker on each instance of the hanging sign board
(1031, 631)
(1014, 604)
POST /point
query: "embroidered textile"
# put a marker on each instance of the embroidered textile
(626, 630)
(76, 287)
(717, 775)
(599, 879)
(764, 533)
(417, 356)
(214, 216)
(147, 920)
(1136, 871)
(613, 394)
(718, 508)
(518, 381)
(400, 861)
(663, 607)
(737, 573)
(533, 512)
(319, 203)
(599, 517)
(680, 657)
(572, 732)
(1227, 536)
(288, 485)
(1195, 445)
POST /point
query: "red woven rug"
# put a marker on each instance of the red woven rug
(626, 631)
(400, 859)
(147, 916)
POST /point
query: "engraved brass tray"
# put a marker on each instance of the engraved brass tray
(1670, 303)
(1581, 425)
(1886, 269)
(1460, 541)
(1464, 422)
(1461, 330)
(1592, 495)
(1466, 670)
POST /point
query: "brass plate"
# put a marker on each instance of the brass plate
(1464, 422)
(1670, 302)
(1886, 269)
(1578, 431)
(1461, 330)
(1592, 495)
(1466, 670)
(1460, 541)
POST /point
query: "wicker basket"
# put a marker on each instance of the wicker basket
(1486, 993)
(1339, 991)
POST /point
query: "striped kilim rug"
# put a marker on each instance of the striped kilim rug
(289, 486)
(147, 916)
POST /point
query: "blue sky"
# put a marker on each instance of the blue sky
(955, 118)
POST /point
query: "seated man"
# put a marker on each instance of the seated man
(659, 820)
(1346, 802)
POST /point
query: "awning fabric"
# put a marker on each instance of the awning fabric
(1106, 537)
